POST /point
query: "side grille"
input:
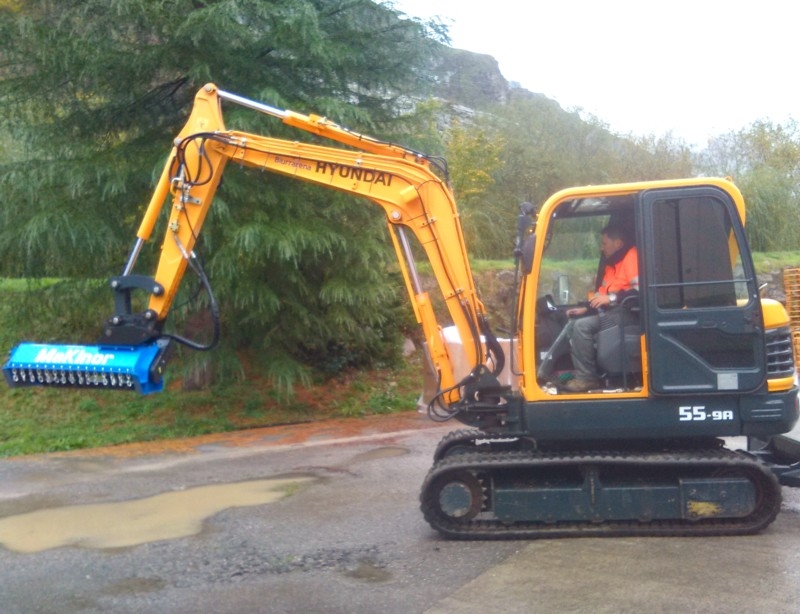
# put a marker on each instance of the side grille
(780, 355)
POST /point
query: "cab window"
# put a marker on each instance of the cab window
(697, 259)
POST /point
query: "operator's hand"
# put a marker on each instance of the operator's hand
(576, 312)
(599, 301)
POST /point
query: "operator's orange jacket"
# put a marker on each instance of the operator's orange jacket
(621, 275)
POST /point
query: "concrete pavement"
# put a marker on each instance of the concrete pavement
(324, 518)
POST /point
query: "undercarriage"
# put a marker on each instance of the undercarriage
(484, 489)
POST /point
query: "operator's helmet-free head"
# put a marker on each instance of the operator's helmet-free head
(613, 238)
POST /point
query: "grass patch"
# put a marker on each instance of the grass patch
(36, 420)
(20, 285)
(775, 261)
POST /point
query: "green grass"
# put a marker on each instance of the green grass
(20, 285)
(774, 261)
(35, 420)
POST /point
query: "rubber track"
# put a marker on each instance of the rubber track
(459, 437)
(767, 485)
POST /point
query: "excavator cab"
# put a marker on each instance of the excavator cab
(697, 324)
(567, 278)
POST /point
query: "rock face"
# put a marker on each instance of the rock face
(470, 79)
(473, 82)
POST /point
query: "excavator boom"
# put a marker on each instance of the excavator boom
(402, 182)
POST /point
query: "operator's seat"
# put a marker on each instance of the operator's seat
(619, 352)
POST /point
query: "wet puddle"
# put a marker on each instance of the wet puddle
(130, 523)
(369, 571)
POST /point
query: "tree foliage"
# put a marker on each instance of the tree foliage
(93, 92)
(764, 160)
(534, 148)
(473, 156)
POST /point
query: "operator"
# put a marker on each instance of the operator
(620, 278)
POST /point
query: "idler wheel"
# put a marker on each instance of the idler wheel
(460, 496)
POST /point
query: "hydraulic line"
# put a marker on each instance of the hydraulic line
(195, 265)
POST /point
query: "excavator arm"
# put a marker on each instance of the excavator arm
(398, 180)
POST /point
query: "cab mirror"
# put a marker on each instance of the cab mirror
(526, 253)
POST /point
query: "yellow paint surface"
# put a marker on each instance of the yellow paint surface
(704, 509)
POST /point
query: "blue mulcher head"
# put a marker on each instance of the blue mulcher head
(137, 368)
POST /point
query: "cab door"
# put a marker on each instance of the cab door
(704, 322)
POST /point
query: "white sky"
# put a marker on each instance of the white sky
(696, 69)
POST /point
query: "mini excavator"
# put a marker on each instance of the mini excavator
(696, 357)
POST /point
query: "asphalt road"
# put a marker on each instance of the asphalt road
(325, 518)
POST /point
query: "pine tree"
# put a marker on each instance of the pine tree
(93, 92)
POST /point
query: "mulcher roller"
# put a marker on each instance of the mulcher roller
(136, 368)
